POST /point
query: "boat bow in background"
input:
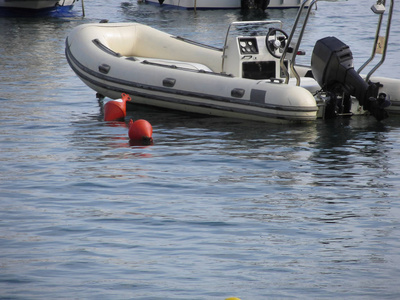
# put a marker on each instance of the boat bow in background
(229, 4)
(34, 7)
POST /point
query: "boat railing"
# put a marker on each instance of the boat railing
(243, 23)
(295, 49)
(379, 9)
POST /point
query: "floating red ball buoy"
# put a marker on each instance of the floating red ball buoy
(140, 130)
(116, 109)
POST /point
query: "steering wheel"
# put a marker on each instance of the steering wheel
(275, 42)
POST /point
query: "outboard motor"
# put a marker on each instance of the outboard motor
(332, 67)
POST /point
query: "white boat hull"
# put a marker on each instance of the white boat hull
(166, 71)
(180, 85)
(35, 5)
(227, 4)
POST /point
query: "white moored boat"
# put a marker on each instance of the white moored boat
(34, 6)
(252, 77)
(227, 4)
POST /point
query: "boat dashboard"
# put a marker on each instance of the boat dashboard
(253, 59)
(255, 56)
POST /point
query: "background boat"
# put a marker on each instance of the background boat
(33, 7)
(226, 4)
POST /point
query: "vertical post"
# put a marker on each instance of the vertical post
(388, 26)
(83, 9)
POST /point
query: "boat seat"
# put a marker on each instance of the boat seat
(176, 63)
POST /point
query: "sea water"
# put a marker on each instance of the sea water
(215, 207)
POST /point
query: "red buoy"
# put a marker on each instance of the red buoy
(116, 109)
(140, 130)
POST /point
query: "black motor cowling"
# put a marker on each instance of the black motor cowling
(332, 67)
